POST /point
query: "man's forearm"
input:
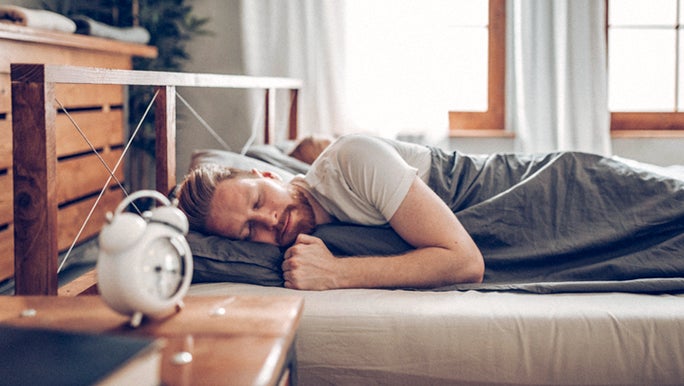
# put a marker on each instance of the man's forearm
(429, 267)
(310, 265)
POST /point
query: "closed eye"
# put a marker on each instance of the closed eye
(259, 201)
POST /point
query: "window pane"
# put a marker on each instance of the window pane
(466, 12)
(408, 62)
(642, 12)
(466, 72)
(642, 70)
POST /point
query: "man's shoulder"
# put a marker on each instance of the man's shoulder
(346, 150)
(355, 148)
(355, 141)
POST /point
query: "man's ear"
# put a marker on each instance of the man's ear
(266, 174)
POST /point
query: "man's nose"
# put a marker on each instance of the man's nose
(268, 217)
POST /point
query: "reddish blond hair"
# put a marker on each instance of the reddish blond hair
(197, 191)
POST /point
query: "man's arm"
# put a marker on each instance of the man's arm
(445, 253)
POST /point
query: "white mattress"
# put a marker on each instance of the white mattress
(383, 337)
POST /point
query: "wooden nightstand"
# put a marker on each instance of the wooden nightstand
(234, 340)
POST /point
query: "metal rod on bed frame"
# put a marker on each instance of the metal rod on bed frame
(34, 150)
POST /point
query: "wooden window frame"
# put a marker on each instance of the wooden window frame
(637, 122)
(491, 121)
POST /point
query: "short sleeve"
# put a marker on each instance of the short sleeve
(361, 180)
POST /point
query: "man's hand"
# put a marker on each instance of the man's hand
(309, 265)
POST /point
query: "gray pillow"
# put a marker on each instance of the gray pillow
(275, 156)
(217, 258)
(220, 259)
(359, 240)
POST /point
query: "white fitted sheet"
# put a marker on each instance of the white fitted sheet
(396, 337)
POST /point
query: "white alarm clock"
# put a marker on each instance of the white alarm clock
(144, 265)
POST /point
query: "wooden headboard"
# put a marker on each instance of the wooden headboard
(34, 158)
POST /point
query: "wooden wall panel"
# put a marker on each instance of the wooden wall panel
(89, 95)
(84, 175)
(70, 218)
(6, 194)
(5, 143)
(27, 52)
(6, 252)
(5, 94)
(102, 128)
(70, 95)
(98, 109)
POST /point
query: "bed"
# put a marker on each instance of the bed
(594, 329)
(384, 337)
(535, 332)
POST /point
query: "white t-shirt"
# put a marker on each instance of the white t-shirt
(363, 180)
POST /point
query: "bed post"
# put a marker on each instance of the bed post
(34, 167)
(269, 114)
(165, 144)
(292, 126)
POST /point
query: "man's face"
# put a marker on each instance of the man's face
(261, 209)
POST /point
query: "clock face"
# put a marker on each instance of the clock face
(163, 267)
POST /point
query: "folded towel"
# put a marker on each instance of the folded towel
(36, 18)
(88, 26)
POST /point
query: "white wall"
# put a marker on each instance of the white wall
(659, 151)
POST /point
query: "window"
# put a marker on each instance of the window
(646, 82)
(645, 45)
(491, 118)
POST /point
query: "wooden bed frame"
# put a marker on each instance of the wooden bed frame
(34, 158)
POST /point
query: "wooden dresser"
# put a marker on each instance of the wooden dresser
(97, 109)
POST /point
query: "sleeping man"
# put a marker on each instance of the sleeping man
(456, 211)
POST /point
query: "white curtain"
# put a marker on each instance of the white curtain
(299, 39)
(363, 73)
(557, 72)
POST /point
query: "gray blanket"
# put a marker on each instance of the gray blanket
(567, 221)
(562, 222)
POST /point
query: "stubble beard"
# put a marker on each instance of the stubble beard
(306, 219)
